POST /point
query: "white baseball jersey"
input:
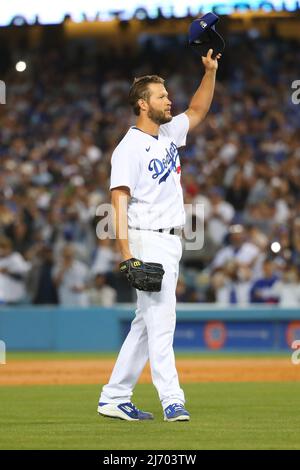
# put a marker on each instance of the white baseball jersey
(150, 167)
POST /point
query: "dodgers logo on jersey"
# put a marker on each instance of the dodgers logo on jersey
(169, 162)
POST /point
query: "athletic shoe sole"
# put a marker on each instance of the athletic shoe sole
(111, 411)
(178, 418)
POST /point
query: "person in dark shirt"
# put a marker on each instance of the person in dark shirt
(40, 284)
(237, 193)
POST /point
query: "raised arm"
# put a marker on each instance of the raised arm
(119, 199)
(202, 99)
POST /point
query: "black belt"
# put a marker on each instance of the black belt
(169, 231)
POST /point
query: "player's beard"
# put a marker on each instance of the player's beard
(159, 117)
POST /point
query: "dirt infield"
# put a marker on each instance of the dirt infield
(97, 371)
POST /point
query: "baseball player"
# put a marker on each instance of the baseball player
(149, 216)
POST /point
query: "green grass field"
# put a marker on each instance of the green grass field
(224, 416)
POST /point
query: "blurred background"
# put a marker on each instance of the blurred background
(64, 108)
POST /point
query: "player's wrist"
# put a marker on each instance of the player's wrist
(126, 255)
(210, 71)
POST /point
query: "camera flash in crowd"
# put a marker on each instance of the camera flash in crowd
(275, 247)
(21, 66)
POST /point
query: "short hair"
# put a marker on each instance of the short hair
(139, 90)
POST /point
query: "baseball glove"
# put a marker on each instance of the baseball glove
(143, 276)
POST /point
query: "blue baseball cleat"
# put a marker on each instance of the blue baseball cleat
(126, 411)
(176, 412)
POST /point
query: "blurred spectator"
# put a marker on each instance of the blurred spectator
(101, 293)
(106, 259)
(40, 283)
(220, 215)
(237, 193)
(262, 291)
(196, 226)
(13, 271)
(280, 193)
(295, 255)
(20, 231)
(185, 293)
(244, 252)
(231, 285)
(288, 288)
(6, 215)
(199, 259)
(262, 215)
(70, 277)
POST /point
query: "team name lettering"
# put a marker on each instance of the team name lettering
(169, 162)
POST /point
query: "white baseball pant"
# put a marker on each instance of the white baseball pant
(152, 330)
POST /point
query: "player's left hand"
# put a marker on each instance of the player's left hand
(143, 276)
(210, 63)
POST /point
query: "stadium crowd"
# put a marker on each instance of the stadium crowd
(64, 116)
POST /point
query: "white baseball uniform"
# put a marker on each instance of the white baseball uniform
(149, 166)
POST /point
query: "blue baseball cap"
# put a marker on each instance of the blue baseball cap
(203, 36)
